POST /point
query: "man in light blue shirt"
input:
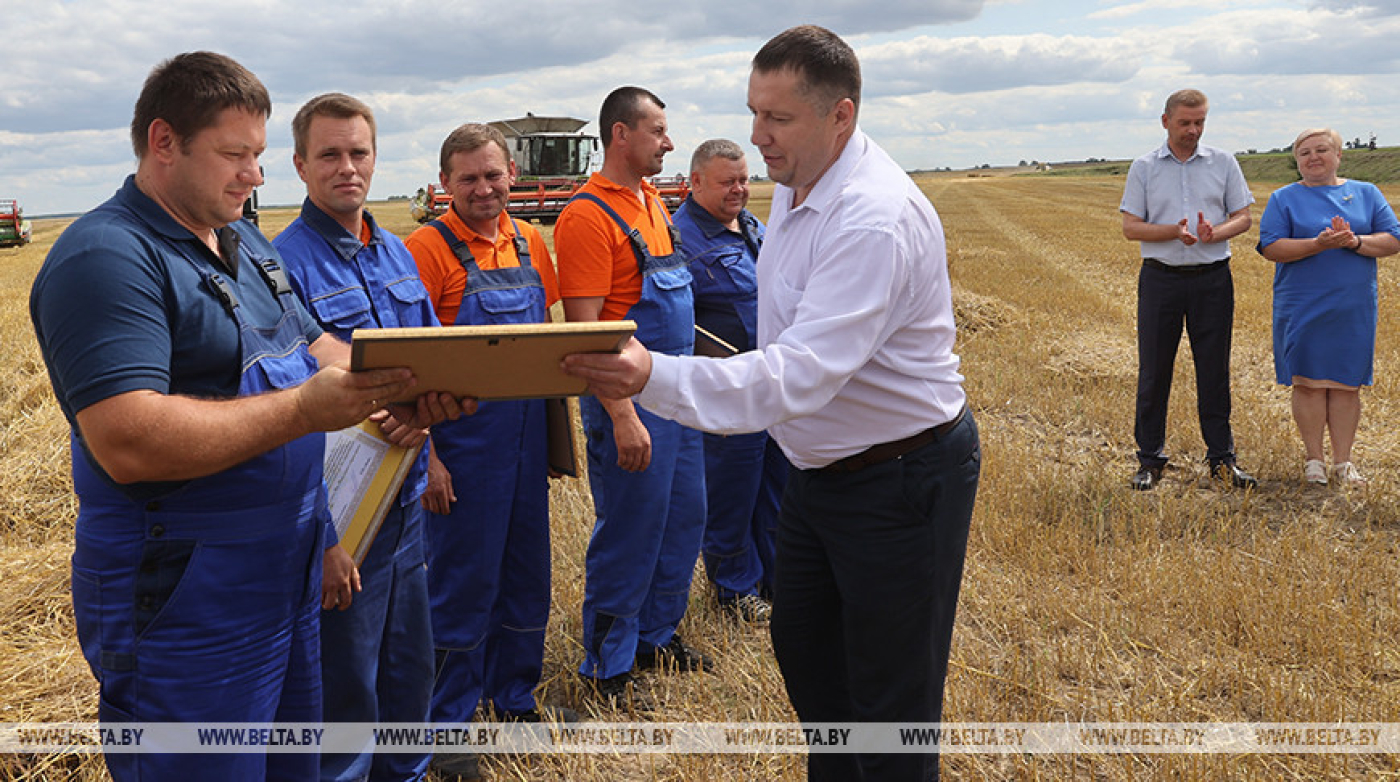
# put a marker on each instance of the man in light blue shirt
(1184, 201)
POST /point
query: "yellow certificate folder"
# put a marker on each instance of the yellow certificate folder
(364, 473)
(518, 361)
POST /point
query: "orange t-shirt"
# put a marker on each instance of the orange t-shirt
(443, 275)
(595, 258)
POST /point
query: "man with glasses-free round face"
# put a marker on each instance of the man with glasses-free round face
(488, 485)
(197, 388)
(744, 473)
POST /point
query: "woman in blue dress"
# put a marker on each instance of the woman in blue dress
(1324, 234)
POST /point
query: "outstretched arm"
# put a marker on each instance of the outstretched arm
(145, 435)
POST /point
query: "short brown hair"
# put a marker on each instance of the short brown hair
(827, 66)
(332, 104)
(1189, 98)
(469, 138)
(189, 91)
(625, 105)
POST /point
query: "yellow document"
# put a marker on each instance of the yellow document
(363, 474)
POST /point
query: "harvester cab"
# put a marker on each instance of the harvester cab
(553, 159)
(545, 148)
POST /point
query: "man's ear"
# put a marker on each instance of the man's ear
(162, 142)
(845, 111)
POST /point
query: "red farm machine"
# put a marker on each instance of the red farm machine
(553, 158)
(14, 229)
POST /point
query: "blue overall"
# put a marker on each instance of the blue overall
(201, 605)
(488, 560)
(647, 535)
(744, 473)
(744, 476)
(379, 652)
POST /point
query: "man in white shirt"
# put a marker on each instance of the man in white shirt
(856, 378)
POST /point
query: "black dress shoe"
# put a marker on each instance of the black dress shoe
(1232, 472)
(675, 655)
(1146, 478)
(619, 692)
(541, 715)
(456, 766)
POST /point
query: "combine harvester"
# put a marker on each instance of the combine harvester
(14, 229)
(553, 159)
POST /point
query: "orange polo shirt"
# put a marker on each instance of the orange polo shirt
(595, 258)
(443, 275)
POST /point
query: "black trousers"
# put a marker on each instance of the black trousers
(1205, 302)
(866, 587)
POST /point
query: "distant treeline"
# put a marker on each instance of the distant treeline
(1380, 165)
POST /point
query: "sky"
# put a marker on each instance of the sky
(947, 83)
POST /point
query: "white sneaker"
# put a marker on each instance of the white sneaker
(1314, 472)
(1347, 474)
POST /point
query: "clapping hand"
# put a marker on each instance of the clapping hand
(1183, 233)
(1338, 234)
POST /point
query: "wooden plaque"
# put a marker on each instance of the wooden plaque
(488, 362)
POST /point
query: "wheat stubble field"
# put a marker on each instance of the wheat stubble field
(1082, 600)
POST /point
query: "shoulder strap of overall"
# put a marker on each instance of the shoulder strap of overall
(671, 229)
(522, 245)
(275, 276)
(639, 245)
(456, 244)
(220, 287)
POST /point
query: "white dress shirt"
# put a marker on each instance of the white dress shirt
(855, 323)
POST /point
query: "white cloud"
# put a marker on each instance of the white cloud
(1367, 8)
(963, 65)
(80, 63)
(948, 82)
(1290, 41)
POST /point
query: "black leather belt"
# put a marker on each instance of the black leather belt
(1195, 268)
(884, 452)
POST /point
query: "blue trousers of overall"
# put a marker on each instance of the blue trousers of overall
(649, 523)
(489, 562)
